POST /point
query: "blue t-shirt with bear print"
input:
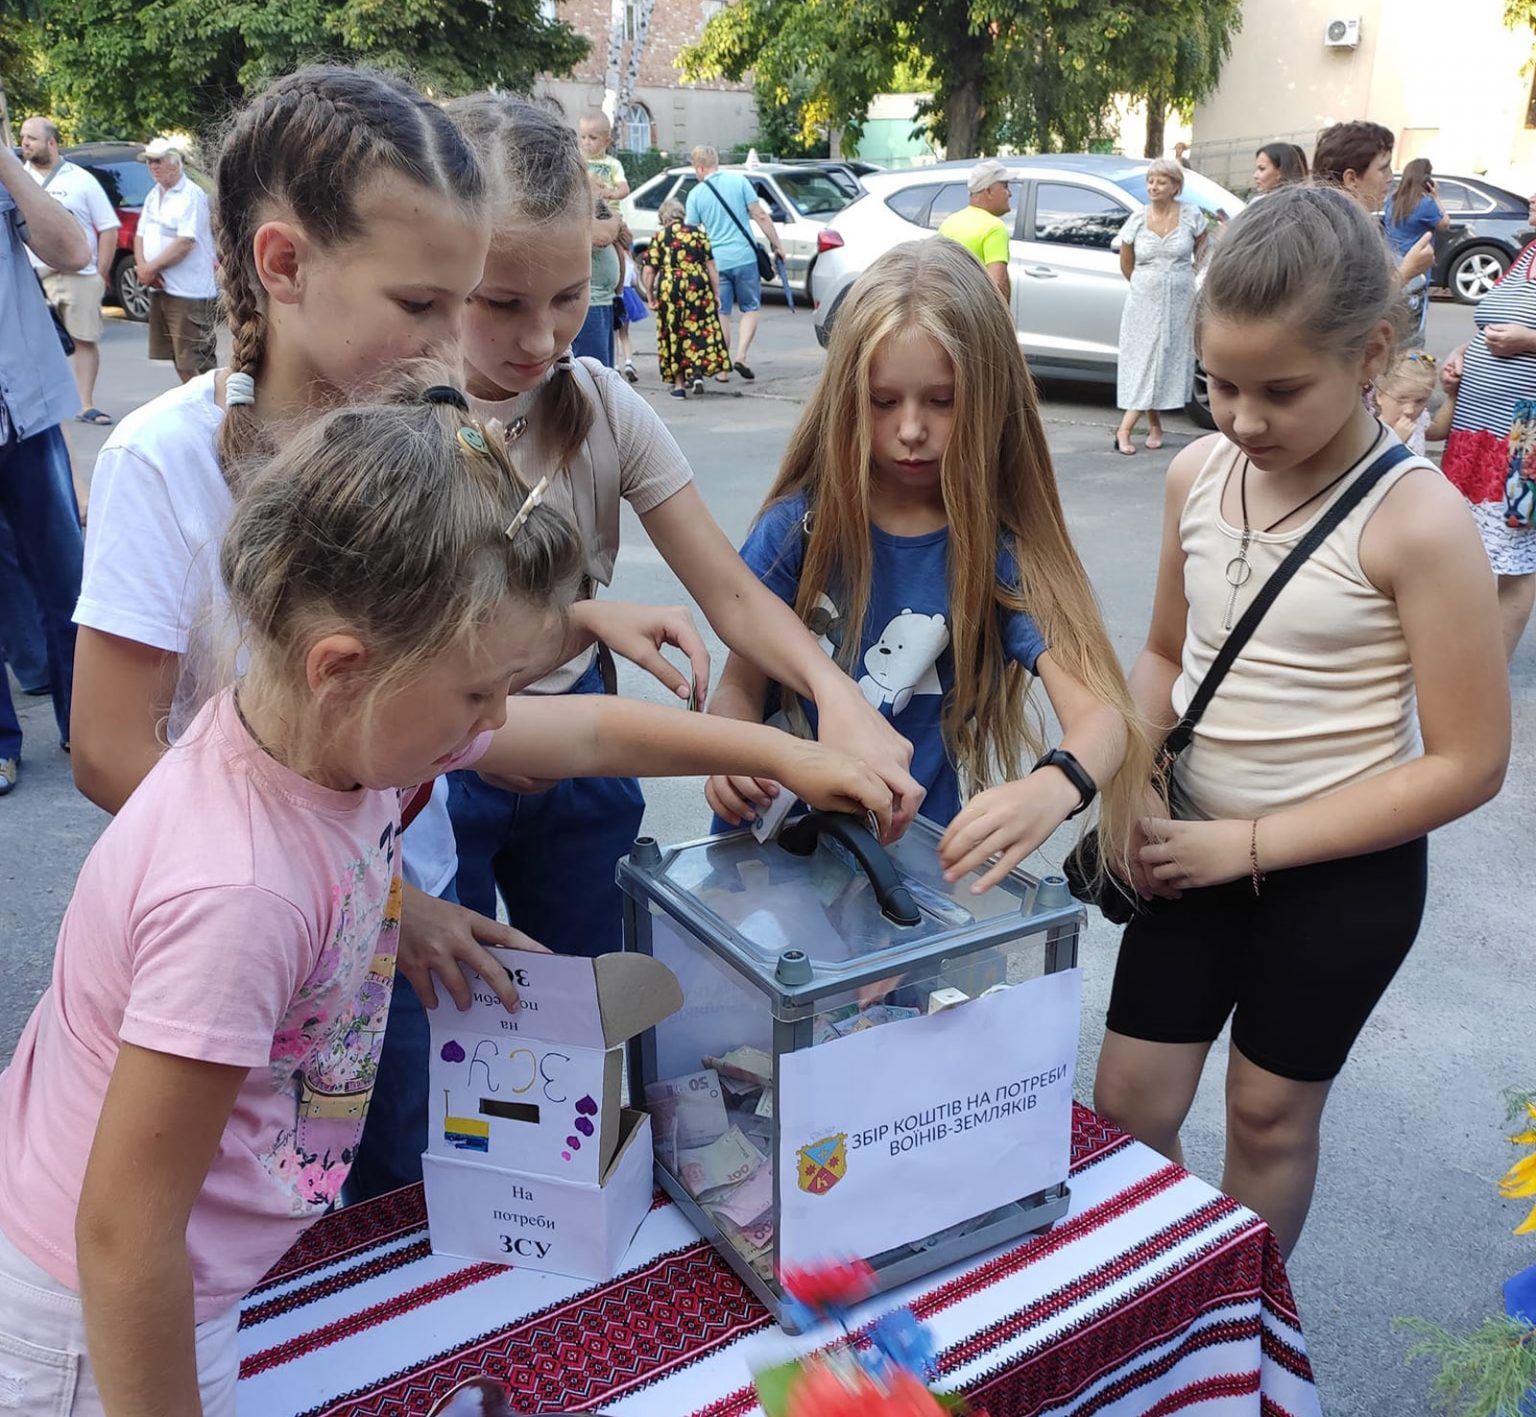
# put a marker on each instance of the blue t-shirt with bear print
(905, 667)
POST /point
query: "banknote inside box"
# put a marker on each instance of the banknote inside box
(538, 1091)
(479, 1212)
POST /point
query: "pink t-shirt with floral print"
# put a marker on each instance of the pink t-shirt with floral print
(233, 912)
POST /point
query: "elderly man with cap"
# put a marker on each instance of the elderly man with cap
(979, 227)
(173, 255)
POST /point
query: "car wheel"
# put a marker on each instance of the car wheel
(128, 292)
(1475, 272)
(1198, 409)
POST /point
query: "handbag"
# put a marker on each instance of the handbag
(765, 266)
(635, 308)
(1520, 481)
(1116, 899)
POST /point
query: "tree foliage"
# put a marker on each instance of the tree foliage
(1040, 74)
(127, 68)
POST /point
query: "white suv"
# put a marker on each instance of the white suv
(1062, 261)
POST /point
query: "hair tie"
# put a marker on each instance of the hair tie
(445, 393)
(239, 389)
(566, 361)
(530, 502)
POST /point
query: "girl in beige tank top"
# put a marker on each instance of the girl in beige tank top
(1283, 877)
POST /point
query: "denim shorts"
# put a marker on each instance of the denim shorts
(745, 285)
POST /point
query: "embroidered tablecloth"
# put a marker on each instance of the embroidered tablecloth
(1156, 1294)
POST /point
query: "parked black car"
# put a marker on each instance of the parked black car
(1489, 227)
(127, 182)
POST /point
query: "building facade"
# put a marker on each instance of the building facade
(663, 112)
(1454, 85)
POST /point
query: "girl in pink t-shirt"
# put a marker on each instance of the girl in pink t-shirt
(188, 1095)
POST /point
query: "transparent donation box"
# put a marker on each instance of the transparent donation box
(869, 1061)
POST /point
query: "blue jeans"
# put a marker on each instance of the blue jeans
(395, 1132)
(744, 286)
(552, 854)
(37, 499)
(595, 338)
(22, 645)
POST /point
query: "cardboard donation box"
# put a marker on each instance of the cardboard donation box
(532, 1158)
(869, 1061)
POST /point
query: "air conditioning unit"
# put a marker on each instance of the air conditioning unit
(1342, 34)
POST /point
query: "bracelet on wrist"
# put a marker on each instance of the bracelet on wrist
(1253, 857)
(1076, 773)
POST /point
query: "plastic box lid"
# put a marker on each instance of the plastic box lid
(757, 901)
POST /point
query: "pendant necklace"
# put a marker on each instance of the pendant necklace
(1239, 570)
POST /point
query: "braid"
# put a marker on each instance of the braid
(304, 149)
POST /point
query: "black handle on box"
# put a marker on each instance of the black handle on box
(800, 836)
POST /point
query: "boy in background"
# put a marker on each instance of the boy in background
(594, 133)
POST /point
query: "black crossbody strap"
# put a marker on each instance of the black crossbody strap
(1178, 740)
(726, 208)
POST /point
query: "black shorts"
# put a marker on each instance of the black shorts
(1303, 963)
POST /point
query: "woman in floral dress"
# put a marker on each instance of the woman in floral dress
(683, 288)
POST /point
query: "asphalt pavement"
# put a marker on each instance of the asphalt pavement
(1407, 1219)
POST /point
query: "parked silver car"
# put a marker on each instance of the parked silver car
(800, 198)
(1063, 262)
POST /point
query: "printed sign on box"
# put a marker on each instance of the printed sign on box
(898, 1132)
(539, 1090)
(531, 1158)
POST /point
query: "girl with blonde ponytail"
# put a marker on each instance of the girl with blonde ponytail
(915, 524)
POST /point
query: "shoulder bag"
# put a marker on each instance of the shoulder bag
(765, 267)
(1117, 899)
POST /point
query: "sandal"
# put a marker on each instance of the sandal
(93, 415)
(630, 372)
(742, 369)
(1124, 452)
(722, 378)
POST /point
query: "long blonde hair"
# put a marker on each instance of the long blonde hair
(1000, 495)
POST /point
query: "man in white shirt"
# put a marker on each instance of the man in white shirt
(76, 295)
(173, 249)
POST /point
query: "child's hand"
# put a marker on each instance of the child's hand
(1187, 855)
(1404, 427)
(1007, 822)
(440, 938)
(834, 782)
(848, 723)
(639, 631)
(738, 800)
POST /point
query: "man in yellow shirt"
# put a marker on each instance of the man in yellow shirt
(979, 227)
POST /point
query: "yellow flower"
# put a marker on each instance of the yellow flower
(1520, 1179)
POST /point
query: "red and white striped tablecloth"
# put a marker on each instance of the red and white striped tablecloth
(1155, 1295)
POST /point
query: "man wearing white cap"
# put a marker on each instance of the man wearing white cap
(173, 253)
(980, 227)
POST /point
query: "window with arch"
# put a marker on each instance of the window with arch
(635, 128)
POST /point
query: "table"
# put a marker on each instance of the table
(1156, 1294)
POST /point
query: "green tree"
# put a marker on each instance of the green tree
(131, 67)
(1169, 53)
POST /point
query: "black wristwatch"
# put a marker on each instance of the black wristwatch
(1076, 773)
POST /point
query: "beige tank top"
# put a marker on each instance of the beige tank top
(1322, 694)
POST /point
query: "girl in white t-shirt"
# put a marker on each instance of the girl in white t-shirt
(351, 225)
(552, 853)
(188, 1095)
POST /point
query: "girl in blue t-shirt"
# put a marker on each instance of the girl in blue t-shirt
(1412, 214)
(916, 528)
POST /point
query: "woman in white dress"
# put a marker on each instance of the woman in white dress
(1158, 250)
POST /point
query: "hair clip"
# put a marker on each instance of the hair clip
(1422, 356)
(239, 389)
(473, 440)
(533, 500)
(445, 393)
(516, 431)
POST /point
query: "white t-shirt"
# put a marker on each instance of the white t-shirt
(159, 506)
(170, 215)
(82, 196)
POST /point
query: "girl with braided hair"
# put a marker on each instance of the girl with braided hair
(351, 225)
